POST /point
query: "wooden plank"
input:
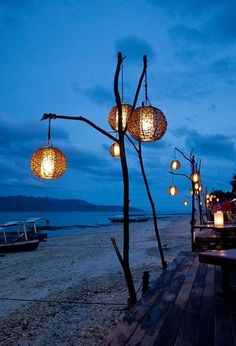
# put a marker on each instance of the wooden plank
(223, 321)
(187, 330)
(167, 334)
(205, 330)
(149, 328)
(125, 328)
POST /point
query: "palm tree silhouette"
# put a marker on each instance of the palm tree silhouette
(233, 184)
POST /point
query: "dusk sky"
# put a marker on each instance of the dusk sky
(60, 57)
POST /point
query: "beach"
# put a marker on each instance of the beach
(71, 290)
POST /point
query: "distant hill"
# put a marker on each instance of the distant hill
(28, 203)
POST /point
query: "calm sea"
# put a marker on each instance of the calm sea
(81, 220)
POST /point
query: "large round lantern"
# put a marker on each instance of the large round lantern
(172, 190)
(48, 163)
(195, 177)
(175, 164)
(115, 150)
(147, 124)
(113, 116)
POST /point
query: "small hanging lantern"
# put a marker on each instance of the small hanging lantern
(175, 164)
(185, 203)
(195, 177)
(200, 188)
(115, 150)
(207, 196)
(173, 190)
(219, 219)
(113, 116)
(196, 186)
(48, 162)
(147, 124)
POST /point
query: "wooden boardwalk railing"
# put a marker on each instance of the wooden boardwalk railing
(182, 308)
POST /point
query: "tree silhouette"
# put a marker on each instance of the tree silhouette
(233, 184)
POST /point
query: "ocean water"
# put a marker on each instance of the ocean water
(83, 221)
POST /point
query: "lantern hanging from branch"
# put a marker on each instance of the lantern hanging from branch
(113, 116)
(175, 164)
(115, 150)
(147, 124)
(195, 177)
(185, 203)
(48, 163)
(173, 190)
(196, 186)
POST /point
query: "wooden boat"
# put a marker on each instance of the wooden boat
(132, 218)
(15, 241)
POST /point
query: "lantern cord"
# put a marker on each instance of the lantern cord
(147, 101)
(49, 132)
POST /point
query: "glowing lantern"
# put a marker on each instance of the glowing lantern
(114, 116)
(115, 150)
(200, 188)
(172, 190)
(175, 164)
(185, 203)
(219, 219)
(48, 163)
(196, 186)
(217, 199)
(191, 192)
(147, 124)
(207, 196)
(195, 177)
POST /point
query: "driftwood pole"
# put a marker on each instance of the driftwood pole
(125, 260)
(140, 157)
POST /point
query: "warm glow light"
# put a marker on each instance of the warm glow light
(147, 124)
(185, 203)
(48, 163)
(217, 199)
(115, 150)
(219, 219)
(207, 196)
(172, 190)
(114, 116)
(196, 186)
(191, 192)
(175, 164)
(200, 188)
(195, 177)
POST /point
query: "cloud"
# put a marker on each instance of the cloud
(213, 21)
(98, 94)
(135, 48)
(211, 146)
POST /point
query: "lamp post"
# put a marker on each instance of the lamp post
(118, 118)
(194, 179)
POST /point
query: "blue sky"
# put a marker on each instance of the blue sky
(60, 57)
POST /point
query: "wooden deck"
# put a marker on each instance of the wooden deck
(183, 307)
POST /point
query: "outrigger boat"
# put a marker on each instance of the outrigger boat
(132, 218)
(20, 239)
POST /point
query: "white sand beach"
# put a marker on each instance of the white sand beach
(71, 290)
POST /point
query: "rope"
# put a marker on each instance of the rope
(70, 302)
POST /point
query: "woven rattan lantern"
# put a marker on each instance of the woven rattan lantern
(175, 164)
(48, 163)
(114, 116)
(195, 177)
(173, 190)
(185, 203)
(147, 124)
(115, 150)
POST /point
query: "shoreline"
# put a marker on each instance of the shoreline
(78, 267)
